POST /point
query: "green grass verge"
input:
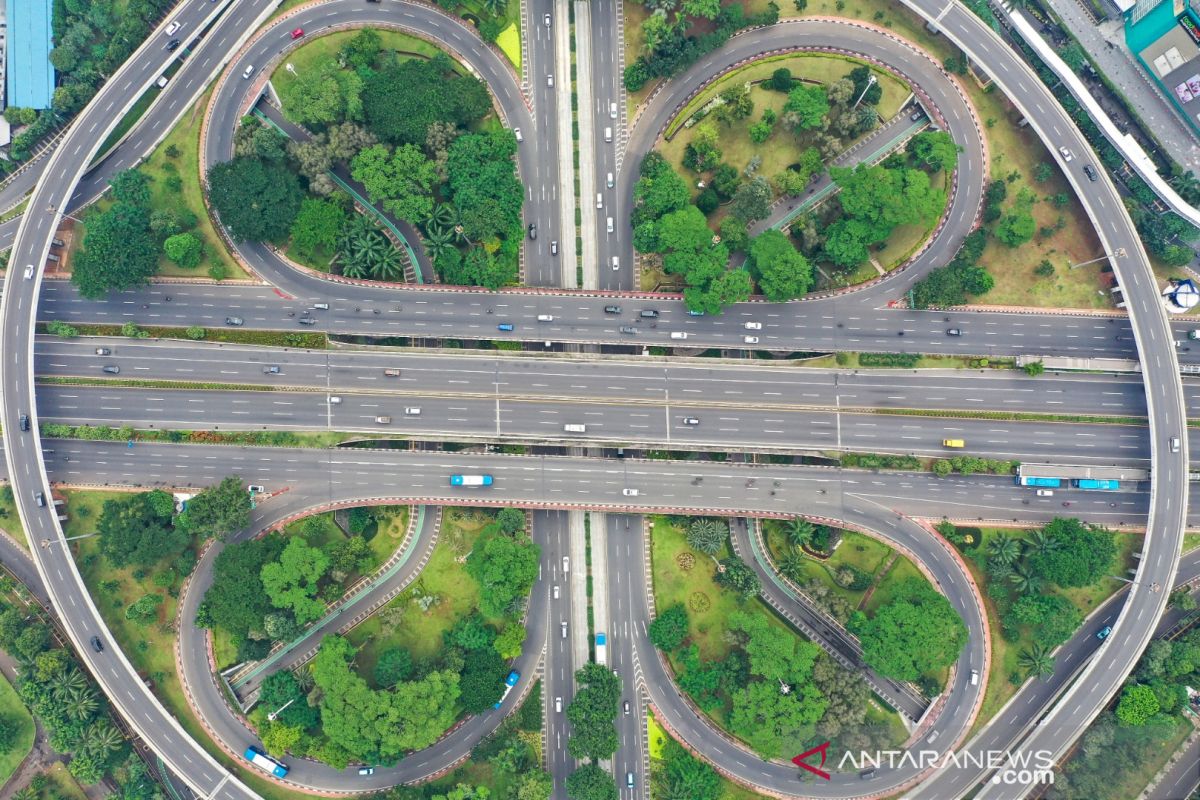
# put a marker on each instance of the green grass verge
(51, 380)
(185, 138)
(61, 784)
(107, 433)
(402, 622)
(509, 42)
(657, 737)
(229, 335)
(14, 713)
(1004, 652)
(131, 117)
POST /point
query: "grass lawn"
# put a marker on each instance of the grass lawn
(325, 48)
(901, 571)
(402, 623)
(861, 552)
(62, 784)
(13, 711)
(185, 136)
(817, 67)
(319, 259)
(1191, 541)
(390, 534)
(782, 149)
(10, 520)
(1005, 652)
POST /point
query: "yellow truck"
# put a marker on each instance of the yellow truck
(957, 444)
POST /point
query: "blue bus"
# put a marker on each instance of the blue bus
(1096, 484)
(265, 762)
(509, 683)
(1046, 483)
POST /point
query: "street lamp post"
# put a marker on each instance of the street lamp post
(870, 82)
(64, 540)
(1118, 253)
(52, 210)
(271, 716)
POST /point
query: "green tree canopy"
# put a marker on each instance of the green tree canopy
(781, 271)
(323, 93)
(293, 580)
(119, 249)
(378, 726)
(934, 149)
(402, 100)
(592, 712)
(185, 249)
(1081, 554)
(256, 199)
(403, 180)
(807, 106)
(505, 568)
(916, 632)
(217, 511)
(237, 601)
(136, 529)
(590, 782)
(670, 628)
(317, 225)
(1137, 705)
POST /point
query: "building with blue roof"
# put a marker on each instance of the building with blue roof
(30, 76)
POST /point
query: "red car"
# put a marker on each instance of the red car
(296, 34)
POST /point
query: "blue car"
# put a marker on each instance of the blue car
(1104, 632)
(504, 326)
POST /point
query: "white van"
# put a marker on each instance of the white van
(610, 224)
(678, 334)
(599, 200)
(609, 181)
(574, 427)
(545, 318)
(608, 134)
(247, 72)
(616, 263)
(412, 411)
(517, 133)
(974, 677)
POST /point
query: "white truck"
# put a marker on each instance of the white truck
(601, 649)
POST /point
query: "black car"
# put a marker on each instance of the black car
(234, 321)
(1090, 171)
(628, 329)
(97, 645)
(953, 332)
(612, 309)
(24, 422)
(532, 231)
(173, 44)
(649, 313)
(112, 369)
(307, 321)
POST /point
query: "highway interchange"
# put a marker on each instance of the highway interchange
(856, 321)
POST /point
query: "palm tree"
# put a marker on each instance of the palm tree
(445, 215)
(26, 793)
(353, 268)
(79, 704)
(496, 7)
(1041, 542)
(389, 266)
(800, 531)
(792, 566)
(1187, 184)
(1037, 661)
(72, 680)
(1004, 549)
(438, 240)
(102, 739)
(1024, 580)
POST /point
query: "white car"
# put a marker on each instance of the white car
(334, 400)
(173, 27)
(566, 563)
(1045, 493)
(630, 492)
(754, 326)
(1066, 154)
(28, 271)
(546, 19)
(247, 72)
(612, 110)
(550, 81)
(750, 339)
